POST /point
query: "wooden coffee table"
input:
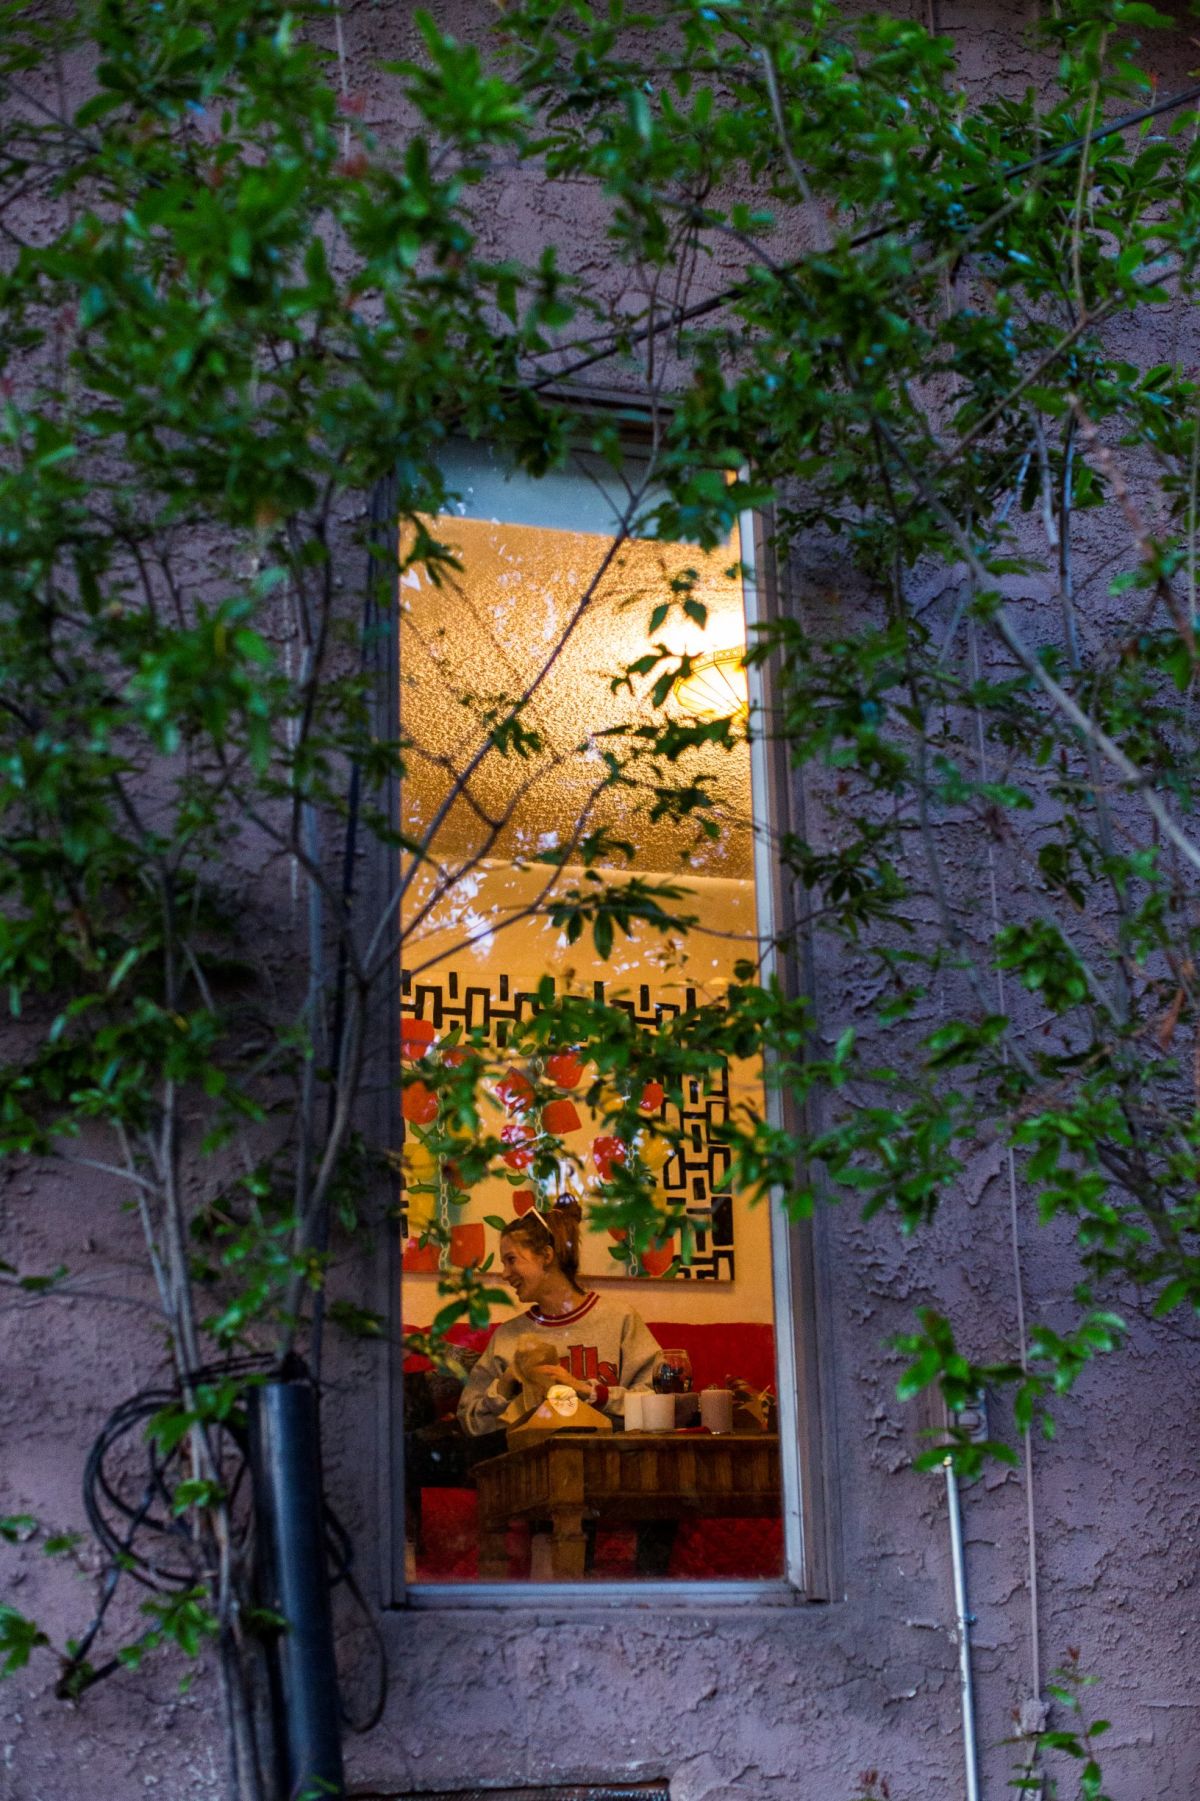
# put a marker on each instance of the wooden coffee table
(568, 1478)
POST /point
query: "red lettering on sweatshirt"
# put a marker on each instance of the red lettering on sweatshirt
(584, 1363)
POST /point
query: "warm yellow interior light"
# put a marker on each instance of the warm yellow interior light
(716, 686)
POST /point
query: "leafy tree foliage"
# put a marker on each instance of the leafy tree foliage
(231, 308)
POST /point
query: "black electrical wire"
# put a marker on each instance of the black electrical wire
(146, 1541)
(106, 1504)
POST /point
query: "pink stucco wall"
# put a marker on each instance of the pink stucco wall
(782, 1703)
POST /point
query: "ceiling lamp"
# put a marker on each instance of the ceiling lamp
(716, 686)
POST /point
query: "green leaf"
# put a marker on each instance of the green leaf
(358, 1322)
(19, 1638)
(60, 1544)
(196, 1491)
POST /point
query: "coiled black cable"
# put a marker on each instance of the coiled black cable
(130, 1507)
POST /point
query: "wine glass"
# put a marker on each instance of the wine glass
(672, 1373)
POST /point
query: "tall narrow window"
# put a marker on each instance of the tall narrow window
(578, 896)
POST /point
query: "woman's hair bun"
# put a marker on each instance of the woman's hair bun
(567, 1207)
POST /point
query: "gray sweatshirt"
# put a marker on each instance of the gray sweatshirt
(601, 1340)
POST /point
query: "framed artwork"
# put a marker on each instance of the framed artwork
(693, 1178)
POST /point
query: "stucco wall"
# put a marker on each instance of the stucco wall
(797, 1702)
(789, 1703)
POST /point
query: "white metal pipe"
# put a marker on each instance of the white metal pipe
(966, 1685)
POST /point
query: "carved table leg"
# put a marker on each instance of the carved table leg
(541, 1556)
(568, 1546)
(493, 1533)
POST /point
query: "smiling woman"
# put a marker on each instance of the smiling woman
(580, 863)
(596, 1345)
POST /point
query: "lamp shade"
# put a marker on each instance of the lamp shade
(715, 686)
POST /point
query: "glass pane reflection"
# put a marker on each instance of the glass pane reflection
(560, 1441)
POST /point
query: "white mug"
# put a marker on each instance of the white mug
(633, 1410)
(658, 1413)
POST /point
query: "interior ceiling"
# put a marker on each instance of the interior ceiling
(481, 638)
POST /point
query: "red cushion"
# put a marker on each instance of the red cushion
(739, 1348)
(720, 1350)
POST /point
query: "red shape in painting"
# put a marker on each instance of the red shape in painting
(456, 1058)
(419, 1259)
(523, 1201)
(564, 1068)
(561, 1117)
(619, 1233)
(519, 1154)
(419, 1104)
(653, 1096)
(658, 1262)
(606, 1152)
(466, 1244)
(416, 1036)
(515, 1091)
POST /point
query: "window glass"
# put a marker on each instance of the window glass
(585, 1398)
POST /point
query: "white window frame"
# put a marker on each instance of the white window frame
(802, 1315)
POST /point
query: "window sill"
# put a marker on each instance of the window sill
(569, 1597)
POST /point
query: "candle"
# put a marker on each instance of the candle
(658, 1413)
(716, 1409)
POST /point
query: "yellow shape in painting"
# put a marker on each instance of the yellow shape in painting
(421, 1209)
(654, 1152)
(420, 1164)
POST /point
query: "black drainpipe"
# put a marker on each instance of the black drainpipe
(285, 1461)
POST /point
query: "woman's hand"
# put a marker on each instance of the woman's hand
(554, 1372)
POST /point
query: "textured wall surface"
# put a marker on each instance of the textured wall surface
(775, 1702)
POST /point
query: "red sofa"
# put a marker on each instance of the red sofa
(704, 1550)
